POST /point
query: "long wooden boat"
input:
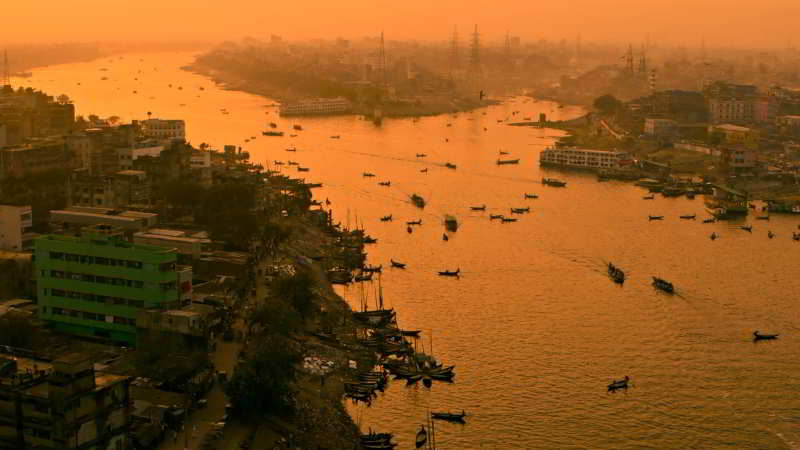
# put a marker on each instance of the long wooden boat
(368, 175)
(450, 417)
(689, 216)
(386, 218)
(618, 384)
(422, 437)
(533, 196)
(520, 210)
(554, 182)
(398, 265)
(655, 217)
(450, 273)
(495, 216)
(450, 165)
(478, 208)
(501, 162)
(385, 183)
(764, 337)
(663, 285)
(414, 222)
(508, 219)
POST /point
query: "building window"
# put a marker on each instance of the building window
(56, 255)
(136, 303)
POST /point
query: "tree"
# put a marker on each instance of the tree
(296, 290)
(276, 316)
(607, 104)
(260, 384)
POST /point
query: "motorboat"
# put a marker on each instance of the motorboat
(386, 218)
(520, 210)
(618, 384)
(616, 274)
(689, 216)
(554, 182)
(421, 155)
(450, 417)
(385, 183)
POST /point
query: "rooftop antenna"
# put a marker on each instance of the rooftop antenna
(6, 81)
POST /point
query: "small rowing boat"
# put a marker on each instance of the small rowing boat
(450, 273)
(764, 337)
(478, 208)
(396, 264)
(618, 384)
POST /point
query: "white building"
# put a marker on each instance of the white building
(164, 129)
(583, 158)
(15, 228)
(316, 106)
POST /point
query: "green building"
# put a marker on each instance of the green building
(95, 285)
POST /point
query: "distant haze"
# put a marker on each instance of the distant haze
(741, 23)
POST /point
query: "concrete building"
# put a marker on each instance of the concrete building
(791, 122)
(34, 157)
(737, 135)
(128, 155)
(737, 159)
(119, 190)
(95, 285)
(15, 228)
(62, 404)
(336, 105)
(660, 127)
(77, 217)
(166, 130)
(200, 159)
(190, 245)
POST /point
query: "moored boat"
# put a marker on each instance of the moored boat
(450, 223)
(655, 217)
(501, 162)
(421, 155)
(272, 133)
(508, 219)
(689, 216)
(368, 175)
(711, 220)
(649, 197)
(748, 228)
(414, 222)
(554, 182)
(385, 183)
(520, 210)
(495, 216)
(418, 201)
(450, 165)
(533, 196)
(478, 208)
(450, 417)
(386, 218)
(616, 274)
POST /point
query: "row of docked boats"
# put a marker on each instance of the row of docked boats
(377, 441)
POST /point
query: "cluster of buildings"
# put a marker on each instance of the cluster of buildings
(108, 268)
(749, 128)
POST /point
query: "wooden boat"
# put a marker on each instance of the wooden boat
(534, 196)
(649, 197)
(410, 333)
(422, 437)
(297, 127)
(450, 165)
(450, 223)
(292, 163)
(450, 417)
(689, 216)
(618, 384)
(417, 200)
(421, 155)
(413, 379)
(396, 264)
(495, 216)
(368, 175)
(520, 210)
(770, 234)
(414, 222)
(273, 125)
(303, 169)
(278, 163)
(503, 153)
(655, 217)
(663, 285)
(508, 219)
(748, 228)
(363, 277)
(711, 220)
(385, 183)
(370, 240)
(372, 269)
(314, 186)
(445, 238)
(714, 236)
(764, 337)
(616, 274)
(272, 133)
(501, 162)
(478, 208)
(450, 273)
(425, 170)
(335, 136)
(291, 149)
(554, 182)
(386, 218)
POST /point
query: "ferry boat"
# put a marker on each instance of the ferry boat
(553, 182)
(584, 159)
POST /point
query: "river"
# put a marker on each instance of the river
(534, 326)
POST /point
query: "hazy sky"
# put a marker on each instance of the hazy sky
(722, 22)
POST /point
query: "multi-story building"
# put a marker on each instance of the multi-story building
(336, 105)
(123, 188)
(15, 228)
(164, 129)
(63, 404)
(659, 127)
(737, 159)
(34, 157)
(130, 154)
(78, 217)
(731, 110)
(189, 245)
(95, 285)
(736, 135)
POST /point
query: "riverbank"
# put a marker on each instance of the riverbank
(434, 105)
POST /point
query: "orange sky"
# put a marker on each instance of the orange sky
(737, 22)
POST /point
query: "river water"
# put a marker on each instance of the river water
(534, 326)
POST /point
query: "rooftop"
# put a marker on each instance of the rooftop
(731, 127)
(100, 239)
